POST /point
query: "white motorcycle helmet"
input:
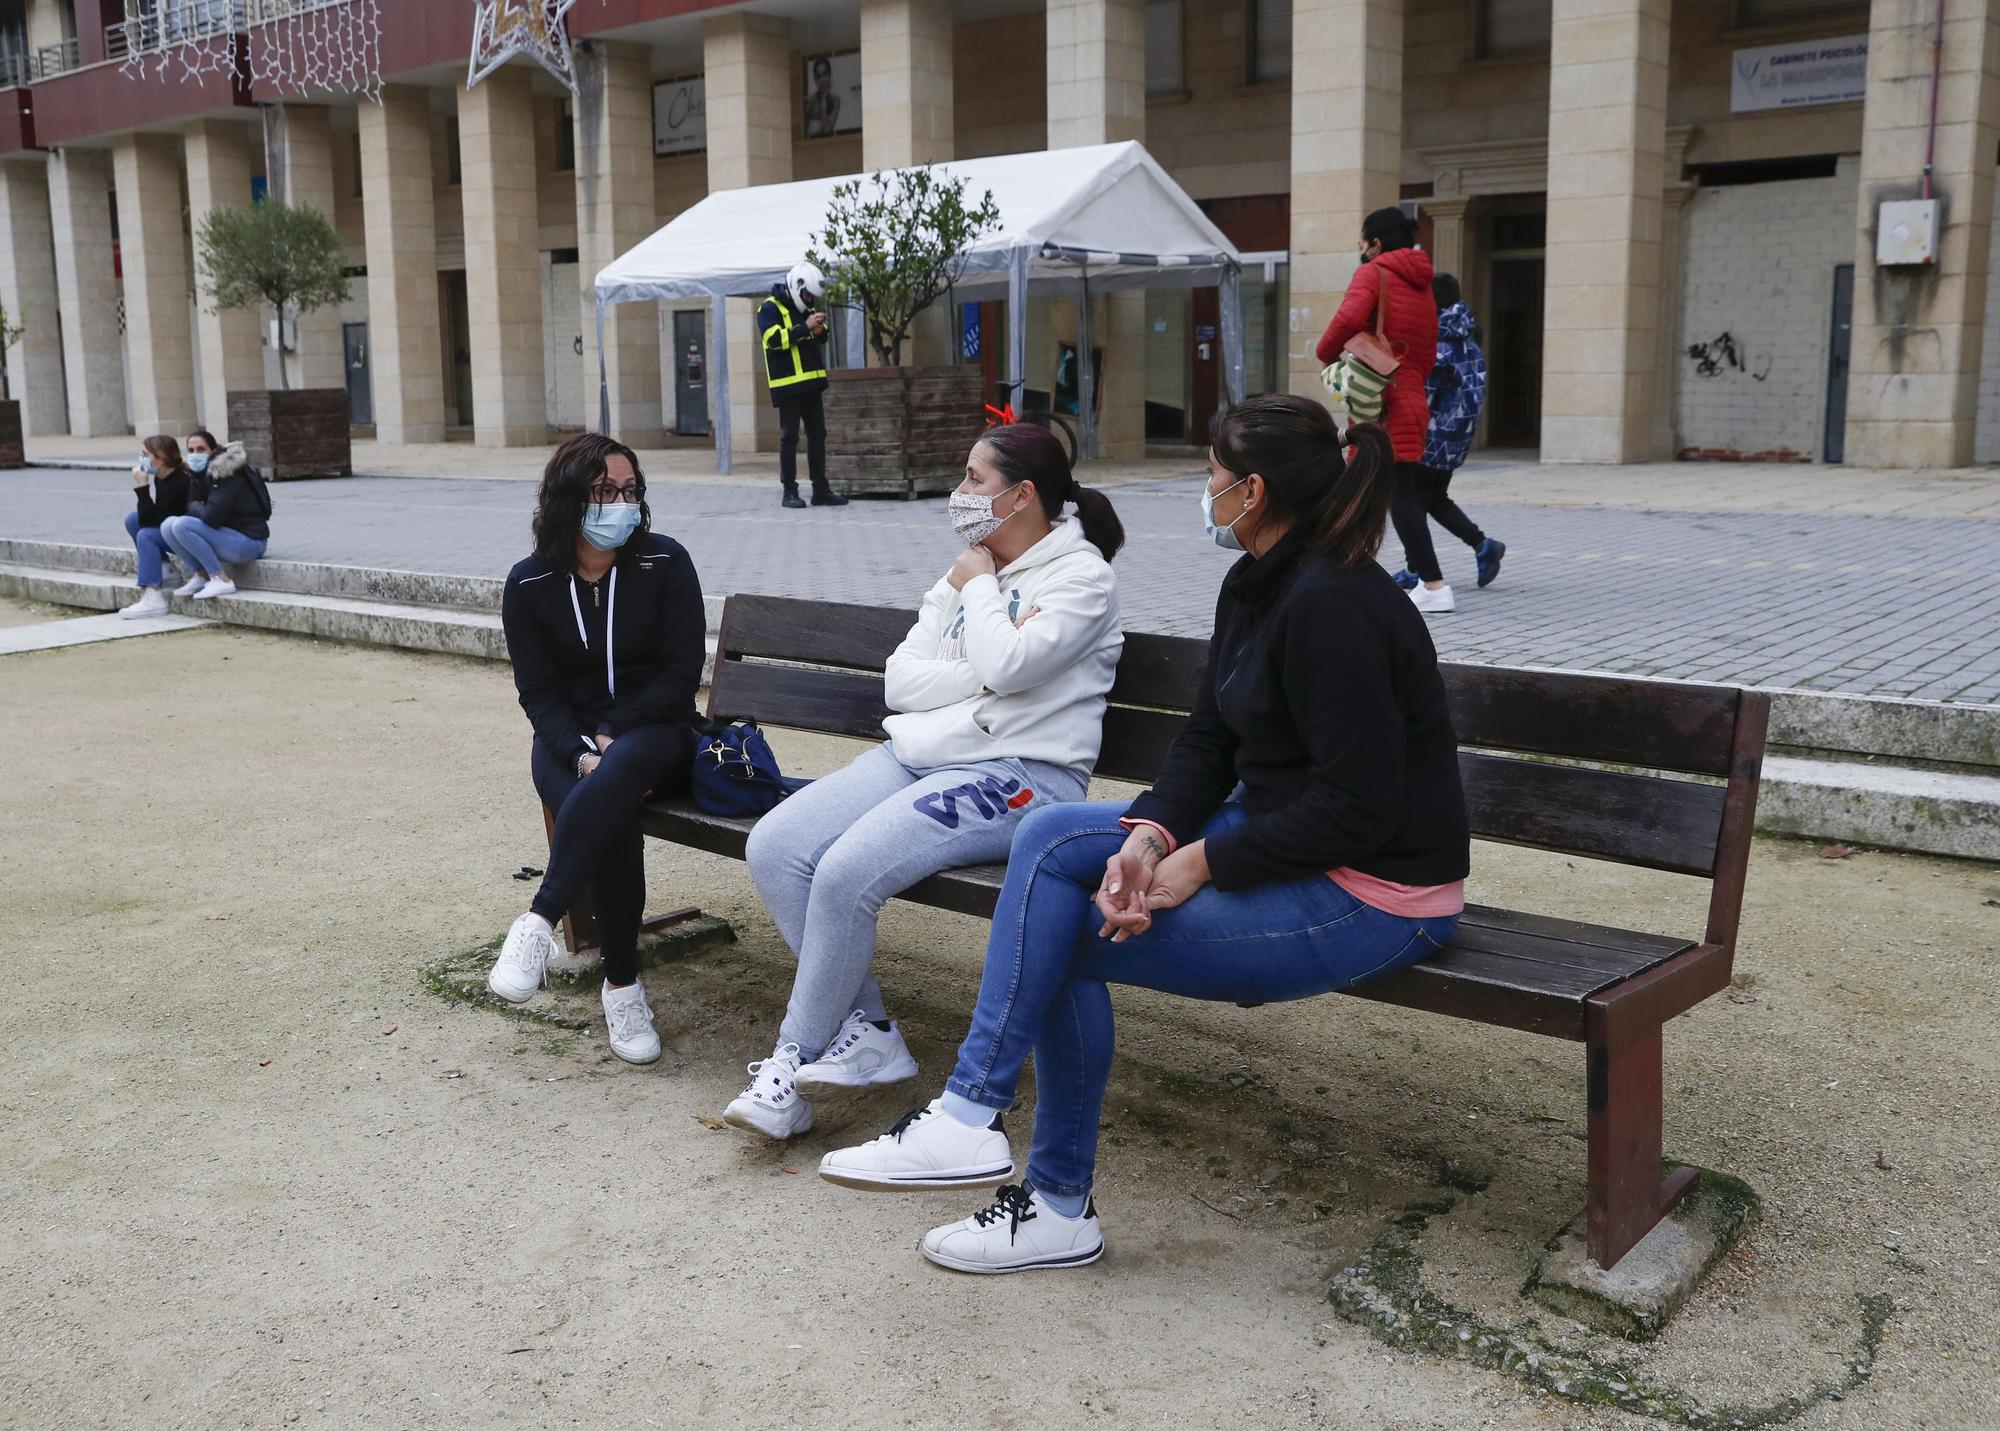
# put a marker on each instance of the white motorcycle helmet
(804, 284)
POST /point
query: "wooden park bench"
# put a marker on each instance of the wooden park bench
(1667, 781)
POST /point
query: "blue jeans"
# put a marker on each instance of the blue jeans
(205, 548)
(152, 549)
(1047, 968)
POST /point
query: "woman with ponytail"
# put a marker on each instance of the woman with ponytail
(998, 697)
(1306, 832)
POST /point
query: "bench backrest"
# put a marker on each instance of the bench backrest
(1658, 774)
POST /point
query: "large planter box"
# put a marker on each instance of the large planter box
(296, 433)
(12, 454)
(901, 432)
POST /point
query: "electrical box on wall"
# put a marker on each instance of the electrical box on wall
(1906, 232)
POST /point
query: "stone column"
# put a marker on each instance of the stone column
(1097, 95)
(614, 210)
(747, 66)
(1913, 391)
(1447, 218)
(1347, 155)
(1607, 163)
(298, 168)
(28, 293)
(503, 270)
(152, 245)
(220, 164)
(406, 367)
(87, 288)
(906, 83)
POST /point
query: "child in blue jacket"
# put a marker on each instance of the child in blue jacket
(1457, 389)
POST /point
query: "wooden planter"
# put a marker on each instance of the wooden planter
(296, 433)
(901, 432)
(12, 454)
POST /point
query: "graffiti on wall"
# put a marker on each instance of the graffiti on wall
(1724, 354)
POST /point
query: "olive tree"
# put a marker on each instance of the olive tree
(290, 258)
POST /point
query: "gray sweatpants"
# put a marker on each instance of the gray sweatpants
(828, 857)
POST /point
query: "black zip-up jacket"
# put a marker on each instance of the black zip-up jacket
(166, 497)
(229, 498)
(556, 625)
(1322, 695)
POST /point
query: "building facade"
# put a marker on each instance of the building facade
(1666, 214)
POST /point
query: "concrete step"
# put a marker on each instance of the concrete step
(1894, 806)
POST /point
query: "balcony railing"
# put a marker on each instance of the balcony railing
(57, 59)
(151, 25)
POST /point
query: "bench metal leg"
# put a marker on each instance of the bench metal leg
(1628, 1195)
(580, 923)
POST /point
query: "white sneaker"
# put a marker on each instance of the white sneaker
(150, 603)
(630, 1023)
(770, 1103)
(1430, 599)
(1017, 1233)
(191, 585)
(216, 586)
(860, 1056)
(928, 1148)
(517, 973)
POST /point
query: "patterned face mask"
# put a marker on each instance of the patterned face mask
(972, 517)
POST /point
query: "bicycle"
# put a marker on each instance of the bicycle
(1040, 417)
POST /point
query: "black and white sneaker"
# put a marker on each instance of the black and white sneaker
(1018, 1233)
(928, 1148)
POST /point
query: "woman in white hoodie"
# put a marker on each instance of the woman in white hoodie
(998, 697)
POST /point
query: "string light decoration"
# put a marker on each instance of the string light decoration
(502, 29)
(294, 46)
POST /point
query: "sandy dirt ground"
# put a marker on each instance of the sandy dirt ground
(255, 1172)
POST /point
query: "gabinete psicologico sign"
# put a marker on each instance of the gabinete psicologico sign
(1800, 73)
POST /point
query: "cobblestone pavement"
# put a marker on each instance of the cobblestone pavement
(1896, 605)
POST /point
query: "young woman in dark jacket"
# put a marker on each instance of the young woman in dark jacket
(1342, 858)
(606, 630)
(160, 485)
(227, 521)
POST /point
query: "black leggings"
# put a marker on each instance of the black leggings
(1422, 495)
(813, 411)
(597, 842)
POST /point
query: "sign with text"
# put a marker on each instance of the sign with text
(1800, 73)
(680, 116)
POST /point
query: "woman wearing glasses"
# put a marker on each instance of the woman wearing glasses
(605, 627)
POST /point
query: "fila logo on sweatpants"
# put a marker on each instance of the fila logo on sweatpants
(989, 797)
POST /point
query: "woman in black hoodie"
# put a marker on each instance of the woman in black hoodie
(229, 522)
(1306, 833)
(160, 485)
(606, 630)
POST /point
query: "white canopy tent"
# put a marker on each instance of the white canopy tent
(1072, 221)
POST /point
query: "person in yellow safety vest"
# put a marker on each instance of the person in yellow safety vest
(793, 332)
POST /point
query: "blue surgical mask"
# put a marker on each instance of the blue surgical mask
(197, 462)
(606, 525)
(1224, 537)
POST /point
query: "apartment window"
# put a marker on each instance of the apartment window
(565, 137)
(1270, 40)
(453, 173)
(1798, 12)
(1514, 27)
(1164, 62)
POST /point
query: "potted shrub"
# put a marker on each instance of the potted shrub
(292, 259)
(893, 244)
(12, 454)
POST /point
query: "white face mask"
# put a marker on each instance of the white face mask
(972, 516)
(1224, 537)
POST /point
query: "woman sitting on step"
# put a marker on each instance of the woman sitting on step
(606, 631)
(999, 695)
(228, 520)
(1306, 832)
(160, 481)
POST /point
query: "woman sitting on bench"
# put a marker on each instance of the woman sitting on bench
(605, 628)
(999, 692)
(1306, 832)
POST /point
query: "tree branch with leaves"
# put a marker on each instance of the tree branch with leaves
(10, 334)
(290, 258)
(894, 243)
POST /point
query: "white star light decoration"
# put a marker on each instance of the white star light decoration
(504, 28)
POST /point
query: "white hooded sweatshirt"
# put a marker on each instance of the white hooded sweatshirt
(970, 684)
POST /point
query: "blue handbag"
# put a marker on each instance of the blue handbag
(735, 774)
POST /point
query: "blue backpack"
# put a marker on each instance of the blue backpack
(735, 774)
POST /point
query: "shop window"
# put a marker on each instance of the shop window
(1164, 63)
(1751, 13)
(1514, 27)
(1270, 40)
